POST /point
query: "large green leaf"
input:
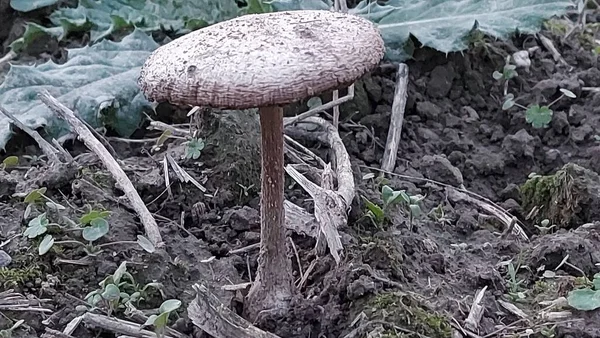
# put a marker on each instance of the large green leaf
(30, 5)
(98, 82)
(445, 24)
(180, 16)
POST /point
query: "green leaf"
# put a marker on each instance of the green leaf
(111, 292)
(97, 229)
(497, 75)
(118, 274)
(444, 25)
(170, 305)
(150, 320)
(415, 210)
(34, 33)
(145, 244)
(597, 282)
(584, 299)
(93, 214)
(97, 82)
(387, 194)
(46, 244)
(568, 93)
(103, 18)
(35, 195)
(30, 5)
(538, 117)
(194, 148)
(375, 209)
(37, 226)
(292, 5)
(162, 320)
(257, 7)
(11, 161)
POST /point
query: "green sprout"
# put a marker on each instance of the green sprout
(120, 290)
(194, 148)
(160, 321)
(380, 214)
(538, 116)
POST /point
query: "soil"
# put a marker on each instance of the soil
(400, 279)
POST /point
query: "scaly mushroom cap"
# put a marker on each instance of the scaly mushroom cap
(262, 60)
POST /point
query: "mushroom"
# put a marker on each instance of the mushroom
(265, 61)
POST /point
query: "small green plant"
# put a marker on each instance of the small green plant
(194, 148)
(8, 333)
(120, 289)
(545, 226)
(161, 320)
(509, 71)
(10, 161)
(93, 225)
(536, 115)
(379, 215)
(515, 292)
(587, 298)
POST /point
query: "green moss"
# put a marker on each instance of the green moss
(234, 146)
(553, 197)
(13, 277)
(404, 311)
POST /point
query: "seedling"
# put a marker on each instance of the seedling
(119, 290)
(93, 226)
(10, 161)
(588, 298)
(8, 333)
(508, 72)
(538, 116)
(194, 148)
(160, 321)
(380, 215)
(545, 226)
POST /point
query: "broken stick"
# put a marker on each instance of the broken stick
(214, 318)
(122, 181)
(395, 131)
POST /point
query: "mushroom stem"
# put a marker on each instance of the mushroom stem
(273, 286)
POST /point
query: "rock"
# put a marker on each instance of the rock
(511, 192)
(453, 121)
(576, 114)
(373, 88)
(360, 103)
(486, 163)
(468, 114)
(581, 133)
(474, 82)
(242, 219)
(590, 77)
(438, 168)
(440, 81)
(360, 287)
(520, 144)
(429, 110)
(560, 122)
(5, 259)
(549, 87)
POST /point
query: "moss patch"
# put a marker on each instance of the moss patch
(565, 198)
(406, 316)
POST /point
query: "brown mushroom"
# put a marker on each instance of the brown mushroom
(265, 61)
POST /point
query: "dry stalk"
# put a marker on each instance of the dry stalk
(122, 181)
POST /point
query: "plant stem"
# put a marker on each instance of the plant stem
(69, 242)
(553, 102)
(118, 242)
(273, 286)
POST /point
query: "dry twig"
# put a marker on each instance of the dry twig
(395, 131)
(122, 181)
(214, 318)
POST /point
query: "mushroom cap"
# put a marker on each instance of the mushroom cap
(263, 60)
